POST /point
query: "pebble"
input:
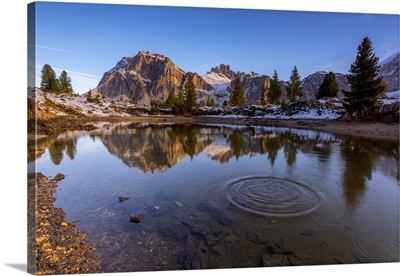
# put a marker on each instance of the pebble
(178, 204)
(122, 199)
(59, 177)
(138, 218)
(307, 232)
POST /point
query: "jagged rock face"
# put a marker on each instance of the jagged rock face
(225, 70)
(149, 77)
(390, 72)
(219, 77)
(253, 85)
(312, 83)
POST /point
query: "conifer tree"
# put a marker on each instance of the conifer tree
(294, 90)
(190, 95)
(49, 80)
(179, 107)
(263, 96)
(366, 86)
(171, 100)
(65, 83)
(180, 99)
(329, 86)
(210, 102)
(237, 98)
(275, 90)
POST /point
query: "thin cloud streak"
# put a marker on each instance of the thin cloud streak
(81, 82)
(69, 72)
(51, 48)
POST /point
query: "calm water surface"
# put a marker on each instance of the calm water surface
(219, 196)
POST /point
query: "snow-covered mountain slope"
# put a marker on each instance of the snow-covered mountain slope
(217, 81)
(390, 71)
(220, 84)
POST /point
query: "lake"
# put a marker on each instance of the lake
(223, 196)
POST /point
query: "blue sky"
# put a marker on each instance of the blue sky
(86, 40)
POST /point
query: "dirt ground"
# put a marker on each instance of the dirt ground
(373, 130)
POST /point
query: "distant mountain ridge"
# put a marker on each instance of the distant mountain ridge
(150, 77)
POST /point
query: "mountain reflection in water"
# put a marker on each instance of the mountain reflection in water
(263, 192)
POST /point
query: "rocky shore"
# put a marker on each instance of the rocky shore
(55, 246)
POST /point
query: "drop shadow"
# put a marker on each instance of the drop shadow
(20, 267)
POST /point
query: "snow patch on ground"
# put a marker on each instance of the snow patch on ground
(393, 96)
(98, 106)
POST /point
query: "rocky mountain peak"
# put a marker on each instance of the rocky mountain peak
(390, 71)
(147, 78)
(311, 84)
(224, 70)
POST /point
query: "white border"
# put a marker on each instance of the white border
(13, 15)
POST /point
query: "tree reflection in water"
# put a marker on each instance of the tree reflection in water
(158, 147)
(359, 159)
(61, 146)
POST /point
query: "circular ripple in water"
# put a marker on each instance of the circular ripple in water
(272, 196)
(377, 247)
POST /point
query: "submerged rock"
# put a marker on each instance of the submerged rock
(195, 256)
(307, 232)
(175, 229)
(272, 260)
(212, 239)
(122, 199)
(197, 225)
(279, 249)
(256, 238)
(200, 229)
(59, 177)
(215, 212)
(138, 218)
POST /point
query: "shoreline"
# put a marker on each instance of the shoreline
(55, 246)
(362, 129)
(365, 129)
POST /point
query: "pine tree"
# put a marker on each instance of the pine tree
(294, 89)
(275, 90)
(364, 82)
(180, 106)
(171, 100)
(180, 99)
(263, 96)
(237, 98)
(329, 86)
(65, 83)
(210, 102)
(190, 95)
(49, 80)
